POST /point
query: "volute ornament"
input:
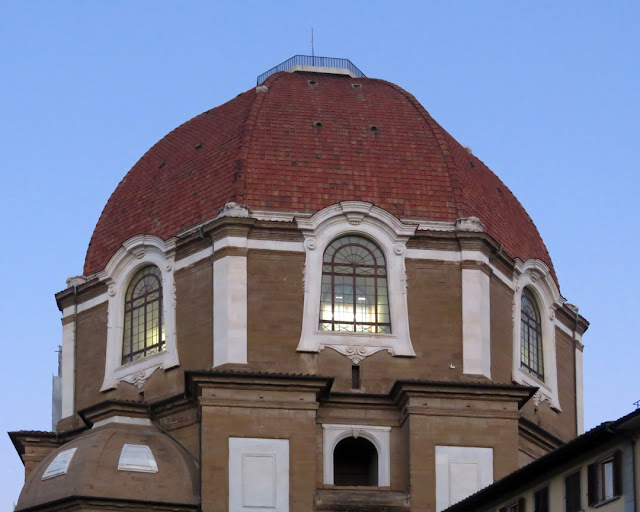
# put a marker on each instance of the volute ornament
(356, 353)
(234, 210)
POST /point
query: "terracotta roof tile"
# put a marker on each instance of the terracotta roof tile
(375, 143)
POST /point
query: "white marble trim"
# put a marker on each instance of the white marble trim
(379, 436)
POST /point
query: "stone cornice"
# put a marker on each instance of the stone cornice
(568, 317)
(258, 391)
(196, 381)
(474, 241)
(88, 290)
(402, 390)
(350, 400)
(110, 408)
(361, 408)
(229, 251)
(356, 498)
(476, 265)
(240, 221)
(538, 436)
(230, 226)
(37, 439)
(78, 503)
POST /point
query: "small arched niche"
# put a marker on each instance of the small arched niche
(355, 462)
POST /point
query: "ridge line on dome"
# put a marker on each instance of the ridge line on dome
(448, 141)
(230, 142)
(247, 136)
(461, 206)
(101, 218)
(548, 261)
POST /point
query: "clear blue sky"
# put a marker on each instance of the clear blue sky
(546, 93)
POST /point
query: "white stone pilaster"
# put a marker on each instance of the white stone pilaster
(68, 368)
(579, 393)
(230, 310)
(476, 322)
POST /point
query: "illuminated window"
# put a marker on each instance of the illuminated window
(143, 323)
(531, 357)
(354, 287)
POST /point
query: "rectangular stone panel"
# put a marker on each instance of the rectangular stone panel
(258, 475)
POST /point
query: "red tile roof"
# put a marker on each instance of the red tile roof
(376, 143)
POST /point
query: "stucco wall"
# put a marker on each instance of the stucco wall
(555, 482)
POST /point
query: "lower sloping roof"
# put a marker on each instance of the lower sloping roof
(574, 449)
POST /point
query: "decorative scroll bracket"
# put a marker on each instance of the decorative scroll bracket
(354, 352)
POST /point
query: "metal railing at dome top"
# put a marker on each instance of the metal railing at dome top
(312, 60)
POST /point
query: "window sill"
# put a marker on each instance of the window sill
(539, 382)
(364, 335)
(360, 498)
(149, 360)
(605, 502)
(355, 345)
(356, 487)
(544, 393)
(137, 372)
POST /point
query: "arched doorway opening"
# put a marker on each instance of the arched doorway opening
(355, 462)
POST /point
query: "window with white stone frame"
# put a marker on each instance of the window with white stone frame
(355, 239)
(141, 317)
(356, 455)
(534, 332)
(355, 463)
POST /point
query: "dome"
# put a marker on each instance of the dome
(299, 143)
(288, 297)
(94, 469)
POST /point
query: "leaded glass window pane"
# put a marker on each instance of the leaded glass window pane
(531, 356)
(143, 327)
(354, 296)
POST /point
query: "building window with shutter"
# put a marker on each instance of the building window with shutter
(518, 506)
(604, 479)
(572, 493)
(541, 500)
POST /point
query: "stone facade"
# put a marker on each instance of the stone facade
(247, 380)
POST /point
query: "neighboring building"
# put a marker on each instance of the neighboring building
(597, 470)
(56, 393)
(310, 297)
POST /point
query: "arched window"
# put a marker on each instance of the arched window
(354, 287)
(355, 462)
(531, 353)
(143, 325)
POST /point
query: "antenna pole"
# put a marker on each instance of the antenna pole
(313, 55)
